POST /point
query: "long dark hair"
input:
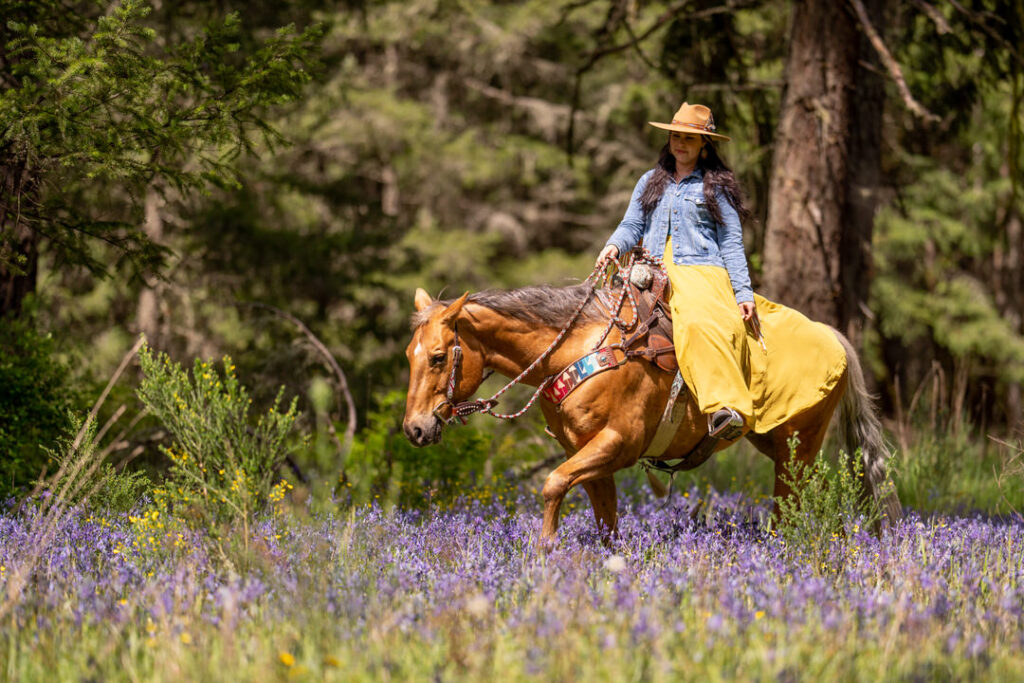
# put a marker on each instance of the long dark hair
(717, 177)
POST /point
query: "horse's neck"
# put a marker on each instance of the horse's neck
(509, 345)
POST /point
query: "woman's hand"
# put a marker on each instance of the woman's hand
(747, 310)
(609, 253)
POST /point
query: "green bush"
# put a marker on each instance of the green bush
(829, 502)
(118, 490)
(78, 479)
(225, 465)
(35, 402)
(384, 467)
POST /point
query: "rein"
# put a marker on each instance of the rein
(597, 278)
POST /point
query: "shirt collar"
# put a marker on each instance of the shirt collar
(697, 173)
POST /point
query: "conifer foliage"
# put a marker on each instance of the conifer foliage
(97, 109)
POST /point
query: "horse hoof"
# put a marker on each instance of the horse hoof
(545, 544)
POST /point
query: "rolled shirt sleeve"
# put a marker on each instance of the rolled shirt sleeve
(631, 228)
(730, 245)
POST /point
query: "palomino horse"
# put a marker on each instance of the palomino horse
(607, 422)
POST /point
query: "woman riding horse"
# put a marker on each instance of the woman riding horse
(779, 377)
(689, 208)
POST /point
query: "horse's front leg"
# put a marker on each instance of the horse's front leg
(593, 464)
(604, 500)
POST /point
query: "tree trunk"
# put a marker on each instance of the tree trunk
(808, 193)
(865, 167)
(15, 285)
(148, 310)
(19, 244)
(1012, 280)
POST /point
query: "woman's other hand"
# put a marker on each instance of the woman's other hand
(610, 252)
(747, 309)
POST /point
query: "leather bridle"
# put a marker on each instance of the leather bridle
(452, 379)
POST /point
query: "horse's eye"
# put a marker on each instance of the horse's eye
(437, 360)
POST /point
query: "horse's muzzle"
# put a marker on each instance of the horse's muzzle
(422, 431)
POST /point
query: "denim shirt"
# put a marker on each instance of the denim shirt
(697, 239)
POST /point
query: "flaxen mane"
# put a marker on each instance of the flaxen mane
(544, 305)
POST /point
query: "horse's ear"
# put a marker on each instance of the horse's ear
(422, 299)
(452, 312)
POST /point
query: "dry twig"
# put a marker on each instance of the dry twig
(74, 477)
(350, 428)
(891, 65)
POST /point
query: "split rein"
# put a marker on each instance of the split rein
(598, 278)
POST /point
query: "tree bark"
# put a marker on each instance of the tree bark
(808, 192)
(15, 285)
(17, 239)
(1012, 279)
(864, 167)
(148, 310)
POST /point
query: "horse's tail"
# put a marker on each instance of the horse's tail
(860, 427)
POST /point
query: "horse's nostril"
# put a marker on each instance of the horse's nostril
(417, 433)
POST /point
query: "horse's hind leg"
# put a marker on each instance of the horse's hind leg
(604, 501)
(810, 428)
(595, 461)
(790, 465)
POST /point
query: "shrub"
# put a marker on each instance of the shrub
(385, 467)
(79, 479)
(224, 464)
(35, 402)
(118, 490)
(828, 503)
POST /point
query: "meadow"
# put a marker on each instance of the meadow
(459, 592)
(419, 564)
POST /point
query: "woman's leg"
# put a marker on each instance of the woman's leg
(710, 340)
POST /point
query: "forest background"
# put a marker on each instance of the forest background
(194, 172)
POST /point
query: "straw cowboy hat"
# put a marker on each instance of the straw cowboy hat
(692, 118)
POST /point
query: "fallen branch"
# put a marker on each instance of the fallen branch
(350, 428)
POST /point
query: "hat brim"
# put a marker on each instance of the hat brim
(683, 128)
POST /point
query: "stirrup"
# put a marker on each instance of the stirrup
(725, 424)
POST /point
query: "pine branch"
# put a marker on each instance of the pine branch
(1014, 48)
(634, 42)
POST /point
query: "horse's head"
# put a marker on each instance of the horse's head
(439, 376)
